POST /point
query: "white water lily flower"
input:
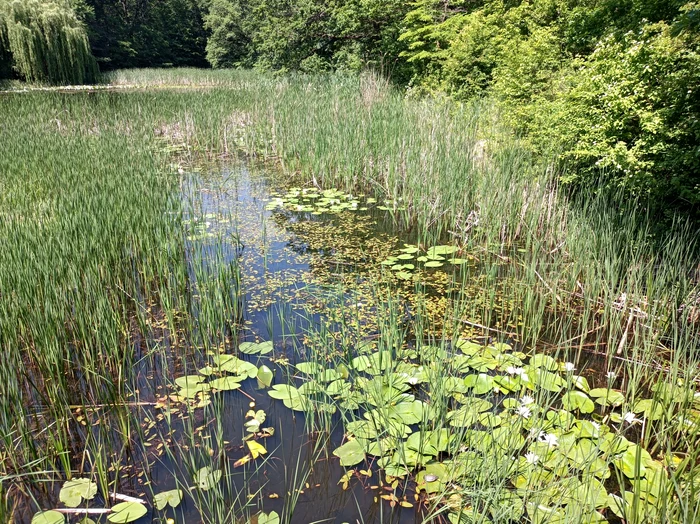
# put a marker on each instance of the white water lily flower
(511, 370)
(413, 381)
(532, 458)
(536, 434)
(527, 400)
(549, 439)
(569, 367)
(524, 411)
(629, 417)
(610, 375)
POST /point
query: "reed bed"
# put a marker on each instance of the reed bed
(96, 275)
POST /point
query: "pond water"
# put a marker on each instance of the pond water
(300, 268)
(326, 376)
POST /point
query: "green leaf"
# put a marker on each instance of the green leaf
(164, 498)
(269, 518)
(188, 381)
(441, 250)
(251, 348)
(652, 410)
(127, 512)
(350, 453)
(310, 368)
(226, 383)
(206, 478)
(48, 517)
(544, 361)
(479, 384)
(74, 491)
(265, 375)
(607, 397)
(577, 400)
(630, 464)
(434, 263)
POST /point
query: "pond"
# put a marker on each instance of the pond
(328, 372)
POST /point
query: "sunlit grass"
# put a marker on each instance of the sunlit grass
(98, 278)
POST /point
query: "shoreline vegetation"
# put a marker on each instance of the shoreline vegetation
(102, 268)
(267, 262)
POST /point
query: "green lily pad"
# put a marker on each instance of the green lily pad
(226, 383)
(607, 397)
(434, 263)
(441, 250)
(251, 348)
(48, 517)
(651, 409)
(544, 361)
(630, 463)
(268, 518)
(127, 512)
(350, 453)
(188, 381)
(479, 384)
(206, 478)
(310, 368)
(577, 401)
(165, 498)
(74, 491)
(265, 375)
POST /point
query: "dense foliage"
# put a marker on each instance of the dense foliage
(140, 33)
(607, 86)
(44, 41)
(306, 35)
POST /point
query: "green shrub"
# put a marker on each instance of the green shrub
(630, 110)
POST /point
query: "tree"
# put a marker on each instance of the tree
(146, 33)
(45, 42)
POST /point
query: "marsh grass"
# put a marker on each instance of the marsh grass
(97, 273)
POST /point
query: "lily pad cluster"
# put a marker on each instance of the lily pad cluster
(225, 373)
(468, 418)
(316, 202)
(411, 256)
(79, 492)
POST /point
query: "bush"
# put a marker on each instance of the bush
(630, 110)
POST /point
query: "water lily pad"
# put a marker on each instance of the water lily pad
(206, 478)
(607, 397)
(544, 361)
(650, 408)
(548, 381)
(631, 462)
(441, 250)
(265, 375)
(268, 518)
(434, 263)
(48, 517)
(127, 512)
(172, 498)
(479, 384)
(577, 401)
(251, 348)
(226, 383)
(74, 491)
(350, 453)
(189, 381)
(310, 368)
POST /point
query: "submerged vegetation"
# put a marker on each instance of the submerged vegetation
(287, 299)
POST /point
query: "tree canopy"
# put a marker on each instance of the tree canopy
(608, 86)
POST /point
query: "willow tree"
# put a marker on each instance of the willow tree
(46, 42)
